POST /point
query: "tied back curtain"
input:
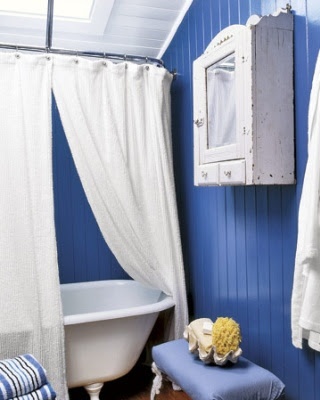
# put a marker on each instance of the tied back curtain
(30, 311)
(117, 123)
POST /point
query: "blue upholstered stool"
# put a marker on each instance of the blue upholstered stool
(241, 381)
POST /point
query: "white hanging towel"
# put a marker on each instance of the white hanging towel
(305, 302)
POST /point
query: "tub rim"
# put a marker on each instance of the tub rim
(165, 302)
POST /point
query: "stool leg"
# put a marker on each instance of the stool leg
(157, 381)
(175, 387)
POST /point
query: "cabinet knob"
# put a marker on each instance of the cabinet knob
(199, 122)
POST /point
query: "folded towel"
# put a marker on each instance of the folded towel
(20, 375)
(44, 393)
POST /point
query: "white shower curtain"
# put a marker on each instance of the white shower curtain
(30, 312)
(305, 319)
(117, 122)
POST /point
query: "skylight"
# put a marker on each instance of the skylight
(24, 7)
(75, 9)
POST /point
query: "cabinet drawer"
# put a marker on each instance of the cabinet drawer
(207, 174)
(232, 172)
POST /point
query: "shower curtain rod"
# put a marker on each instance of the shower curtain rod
(48, 46)
(112, 56)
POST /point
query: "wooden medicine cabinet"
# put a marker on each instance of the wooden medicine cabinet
(243, 105)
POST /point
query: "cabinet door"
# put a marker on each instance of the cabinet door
(218, 88)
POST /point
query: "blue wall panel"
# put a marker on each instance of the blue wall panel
(239, 242)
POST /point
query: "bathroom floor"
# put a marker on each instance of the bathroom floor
(134, 386)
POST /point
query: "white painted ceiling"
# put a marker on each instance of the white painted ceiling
(132, 27)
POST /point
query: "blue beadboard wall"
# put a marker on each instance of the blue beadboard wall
(239, 242)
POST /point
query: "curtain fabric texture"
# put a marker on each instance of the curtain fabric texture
(117, 121)
(306, 294)
(30, 311)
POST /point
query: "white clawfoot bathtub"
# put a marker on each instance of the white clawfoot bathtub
(107, 324)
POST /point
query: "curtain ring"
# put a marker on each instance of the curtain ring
(17, 52)
(47, 56)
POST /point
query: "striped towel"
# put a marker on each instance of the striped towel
(44, 393)
(21, 376)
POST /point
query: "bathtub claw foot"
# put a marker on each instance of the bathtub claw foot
(94, 390)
